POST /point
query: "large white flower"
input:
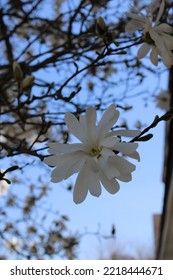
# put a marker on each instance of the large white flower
(157, 38)
(163, 100)
(99, 156)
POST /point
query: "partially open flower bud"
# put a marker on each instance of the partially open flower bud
(28, 82)
(110, 36)
(168, 116)
(146, 137)
(17, 71)
(101, 26)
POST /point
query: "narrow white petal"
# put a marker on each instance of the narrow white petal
(94, 184)
(125, 177)
(122, 164)
(158, 40)
(60, 159)
(92, 164)
(167, 58)
(140, 18)
(91, 124)
(74, 126)
(59, 148)
(83, 127)
(161, 10)
(52, 160)
(164, 52)
(68, 166)
(56, 176)
(126, 133)
(109, 141)
(107, 121)
(56, 179)
(143, 50)
(133, 25)
(168, 39)
(81, 185)
(154, 56)
(164, 28)
(126, 148)
(111, 186)
(106, 153)
(135, 155)
(108, 169)
(75, 167)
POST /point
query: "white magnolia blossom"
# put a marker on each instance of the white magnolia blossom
(158, 39)
(13, 244)
(4, 187)
(99, 156)
(163, 100)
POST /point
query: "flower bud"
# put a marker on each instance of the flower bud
(101, 26)
(168, 116)
(155, 122)
(110, 36)
(17, 71)
(146, 137)
(28, 82)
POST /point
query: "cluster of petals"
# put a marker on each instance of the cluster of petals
(158, 38)
(98, 158)
(163, 100)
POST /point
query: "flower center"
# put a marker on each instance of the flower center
(95, 152)
(148, 39)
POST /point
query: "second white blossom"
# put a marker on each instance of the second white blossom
(158, 39)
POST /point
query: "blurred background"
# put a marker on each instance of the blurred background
(56, 57)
